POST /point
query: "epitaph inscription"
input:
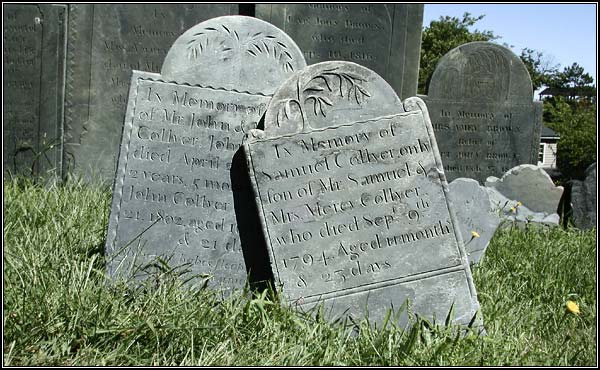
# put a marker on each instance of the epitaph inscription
(173, 194)
(349, 206)
(356, 214)
(385, 38)
(33, 55)
(107, 42)
(174, 185)
(480, 102)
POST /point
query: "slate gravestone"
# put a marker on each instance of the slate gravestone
(107, 42)
(525, 194)
(584, 201)
(33, 83)
(385, 38)
(481, 104)
(353, 202)
(172, 193)
(476, 219)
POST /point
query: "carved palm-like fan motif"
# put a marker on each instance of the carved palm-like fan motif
(229, 42)
(329, 81)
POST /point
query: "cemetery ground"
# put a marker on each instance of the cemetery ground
(61, 309)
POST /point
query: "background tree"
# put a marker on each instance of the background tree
(576, 125)
(540, 67)
(570, 109)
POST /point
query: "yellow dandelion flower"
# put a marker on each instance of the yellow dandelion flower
(573, 307)
(474, 234)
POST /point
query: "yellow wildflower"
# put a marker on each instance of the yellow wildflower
(513, 209)
(573, 307)
(519, 204)
(474, 234)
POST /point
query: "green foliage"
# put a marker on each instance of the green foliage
(443, 35)
(575, 122)
(571, 76)
(571, 112)
(540, 68)
(60, 309)
(524, 282)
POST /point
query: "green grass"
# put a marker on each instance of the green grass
(60, 309)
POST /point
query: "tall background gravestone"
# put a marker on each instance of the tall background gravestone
(105, 43)
(385, 38)
(353, 203)
(480, 101)
(33, 87)
(584, 201)
(173, 193)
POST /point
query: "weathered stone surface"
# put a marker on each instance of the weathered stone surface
(107, 42)
(530, 185)
(471, 203)
(173, 195)
(33, 83)
(526, 194)
(385, 38)
(352, 199)
(584, 201)
(520, 215)
(480, 100)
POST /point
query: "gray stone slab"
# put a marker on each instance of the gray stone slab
(530, 185)
(526, 194)
(584, 201)
(476, 219)
(385, 38)
(33, 85)
(480, 100)
(107, 42)
(353, 202)
(517, 214)
(173, 194)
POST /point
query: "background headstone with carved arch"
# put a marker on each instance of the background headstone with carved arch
(353, 202)
(173, 195)
(480, 100)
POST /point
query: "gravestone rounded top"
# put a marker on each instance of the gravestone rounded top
(329, 94)
(481, 72)
(233, 52)
(529, 185)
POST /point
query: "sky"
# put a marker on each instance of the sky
(566, 33)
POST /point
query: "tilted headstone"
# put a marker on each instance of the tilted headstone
(385, 38)
(584, 201)
(476, 219)
(526, 194)
(353, 201)
(480, 100)
(172, 193)
(107, 42)
(33, 84)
